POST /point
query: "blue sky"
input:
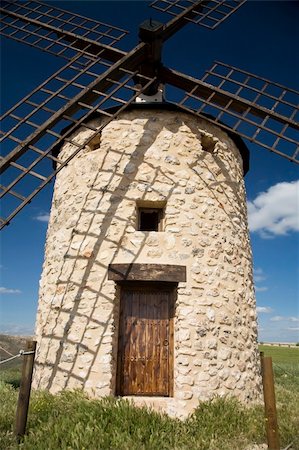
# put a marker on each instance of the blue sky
(261, 37)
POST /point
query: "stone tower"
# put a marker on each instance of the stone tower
(147, 290)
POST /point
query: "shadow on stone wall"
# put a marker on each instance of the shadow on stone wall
(66, 317)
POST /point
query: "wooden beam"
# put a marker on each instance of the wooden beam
(25, 389)
(203, 91)
(270, 403)
(101, 84)
(146, 272)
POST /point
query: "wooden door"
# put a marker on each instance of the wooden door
(145, 352)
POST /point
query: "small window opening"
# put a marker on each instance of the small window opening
(95, 143)
(207, 143)
(150, 219)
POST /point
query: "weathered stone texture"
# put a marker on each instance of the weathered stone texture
(150, 155)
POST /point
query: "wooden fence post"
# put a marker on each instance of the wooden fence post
(270, 404)
(25, 388)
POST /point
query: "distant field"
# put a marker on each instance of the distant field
(286, 372)
(281, 355)
(11, 345)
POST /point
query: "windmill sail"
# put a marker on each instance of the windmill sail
(59, 32)
(98, 76)
(264, 112)
(38, 123)
(208, 14)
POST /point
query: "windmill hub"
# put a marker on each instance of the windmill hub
(150, 29)
(150, 32)
(158, 97)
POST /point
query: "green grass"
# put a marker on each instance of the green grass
(281, 355)
(286, 366)
(286, 373)
(70, 421)
(11, 376)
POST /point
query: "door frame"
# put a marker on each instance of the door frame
(143, 285)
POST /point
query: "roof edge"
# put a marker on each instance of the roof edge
(167, 106)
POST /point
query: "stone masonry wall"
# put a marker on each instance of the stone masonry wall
(196, 170)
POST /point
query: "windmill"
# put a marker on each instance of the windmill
(99, 80)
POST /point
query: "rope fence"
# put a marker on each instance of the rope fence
(285, 372)
(21, 353)
(6, 351)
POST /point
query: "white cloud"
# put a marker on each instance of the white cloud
(284, 318)
(264, 309)
(4, 290)
(277, 318)
(258, 275)
(276, 211)
(42, 217)
(16, 329)
(261, 288)
(278, 332)
(258, 278)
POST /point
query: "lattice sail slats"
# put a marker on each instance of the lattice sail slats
(57, 31)
(209, 14)
(29, 115)
(45, 119)
(266, 113)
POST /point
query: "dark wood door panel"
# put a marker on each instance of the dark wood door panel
(145, 341)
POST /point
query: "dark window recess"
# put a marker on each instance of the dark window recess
(150, 219)
(208, 144)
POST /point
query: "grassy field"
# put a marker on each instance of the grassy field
(281, 355)
(70, 421)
